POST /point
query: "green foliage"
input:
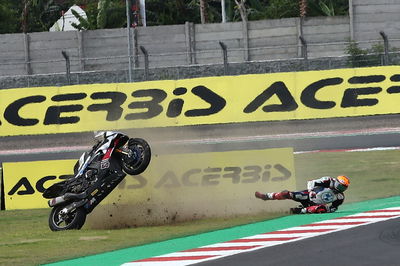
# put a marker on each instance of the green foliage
(327, 8)
(102, 14)
(8, 18)
(160, 12)
(356, 54)
(364, 57)
(42, 14)
(84, 23)
(274, 9)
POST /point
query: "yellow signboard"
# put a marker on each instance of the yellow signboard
(219, 180)
(212, 100)
(24, 182)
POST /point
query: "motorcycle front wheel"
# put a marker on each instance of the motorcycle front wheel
(139, 157)
(59, 221)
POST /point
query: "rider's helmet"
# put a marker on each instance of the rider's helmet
(341, 183)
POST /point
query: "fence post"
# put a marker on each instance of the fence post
(386, 47)
(188, 40)
(81, 51)
(146, 62)
(67, 65)
(225, 56)
(303, 47)
(135, 49)
(304, 53)
(245, 30)
(128, 36)
(28, 67)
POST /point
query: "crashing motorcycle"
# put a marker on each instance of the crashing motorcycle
(96, 174)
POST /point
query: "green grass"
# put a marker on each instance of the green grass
(26, 240)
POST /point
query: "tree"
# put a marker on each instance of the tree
(40, 15)
(203, 11)
(102, 14)
(159, 12)
(275, 9)
(9, 20)
(240, 5)
(303, 8)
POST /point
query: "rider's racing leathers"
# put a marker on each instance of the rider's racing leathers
(320, 196)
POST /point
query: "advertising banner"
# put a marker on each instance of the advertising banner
(199, 101)
(201, 183)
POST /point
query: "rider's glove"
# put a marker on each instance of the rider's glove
(312, 195)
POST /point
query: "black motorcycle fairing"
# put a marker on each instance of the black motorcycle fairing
(55, 190)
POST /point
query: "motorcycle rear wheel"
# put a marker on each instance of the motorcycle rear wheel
(70, 221)
(139, 157)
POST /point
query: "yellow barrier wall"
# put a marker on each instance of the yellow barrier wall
(212, 100)
(184, 185)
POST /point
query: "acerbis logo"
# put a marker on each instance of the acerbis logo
(308, 98)
(26, 187)
(197, 177)
(148, 107)
(199, 101)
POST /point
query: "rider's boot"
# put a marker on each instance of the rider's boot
(274, 195)
(262, 196)
(297, 210)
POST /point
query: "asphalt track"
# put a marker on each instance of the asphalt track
(374, 244)
(302, 135)
(71, 146)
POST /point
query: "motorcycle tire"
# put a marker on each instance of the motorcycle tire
(75, 219)
(140, 158)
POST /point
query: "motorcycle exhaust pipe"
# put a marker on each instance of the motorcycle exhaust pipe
(75, 205)
(56, 201)
(68, 196)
